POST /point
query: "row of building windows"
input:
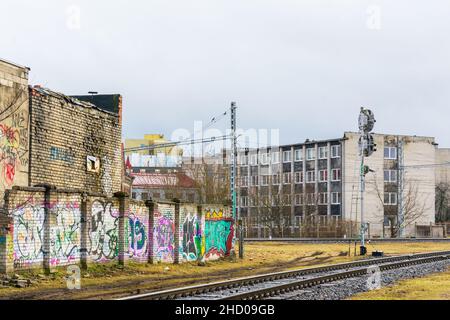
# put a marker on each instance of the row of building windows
(322, 153)
(285, 200)
(390, 198)
(264, 180)
(274, 157)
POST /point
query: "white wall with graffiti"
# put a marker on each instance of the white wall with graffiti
(164, 233)
(192, 237)
(138, 231)
(103, 229)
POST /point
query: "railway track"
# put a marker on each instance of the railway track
(272, 284)
(348, 240)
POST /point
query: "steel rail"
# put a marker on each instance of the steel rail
(191, 291)
(348, 240)
(300, 284)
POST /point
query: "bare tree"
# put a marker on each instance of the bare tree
(413, 205)
(442, 202)
(212, 181)
(274, 211)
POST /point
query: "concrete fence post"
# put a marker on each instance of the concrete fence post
(6, 237)
(49, 217)
(123, 234)
(84, 222)
(200, 236)
(151, 223)
(176, 236)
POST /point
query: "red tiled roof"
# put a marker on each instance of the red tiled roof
(162, 180)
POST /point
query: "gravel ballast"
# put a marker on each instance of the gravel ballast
(342, 289)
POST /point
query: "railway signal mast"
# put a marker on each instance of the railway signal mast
(367, 147)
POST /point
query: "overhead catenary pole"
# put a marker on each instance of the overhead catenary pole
(233, 181)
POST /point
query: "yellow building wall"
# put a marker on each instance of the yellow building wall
(151, 140)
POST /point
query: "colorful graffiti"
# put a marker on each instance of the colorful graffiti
(191, 237)
(219, 234)
(13, 142)
(28, 230)
(202, 237)
(65, 233)
(213, 214)
(103, 231)
(138, 232)
(164, 234)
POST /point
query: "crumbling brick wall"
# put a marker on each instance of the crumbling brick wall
(74, 144)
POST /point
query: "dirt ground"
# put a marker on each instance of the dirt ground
(107, 281)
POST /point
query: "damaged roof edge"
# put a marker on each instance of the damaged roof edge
(70, 99)
(393, 135)
(14, 64)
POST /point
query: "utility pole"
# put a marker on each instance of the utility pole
(233, 181)
(367, 146)
(401, 177)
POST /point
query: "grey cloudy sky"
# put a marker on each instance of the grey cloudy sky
(305, 67)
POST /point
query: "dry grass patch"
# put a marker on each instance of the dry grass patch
(433, 287)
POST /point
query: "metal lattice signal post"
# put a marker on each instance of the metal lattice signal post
(233, 181)
(366, 122)
(361, 188)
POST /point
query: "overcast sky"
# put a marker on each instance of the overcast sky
(304, 67)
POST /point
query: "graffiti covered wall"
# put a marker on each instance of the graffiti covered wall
(103, 230)
(164, 233)
(14, 126)
(219, 232)
(27, 217)
(65, 230)
(30, 217)
(26, 230)
(138, 232)
(192, 238)
(75, 228)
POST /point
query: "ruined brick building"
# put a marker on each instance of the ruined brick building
(51, 138)
(61, 170)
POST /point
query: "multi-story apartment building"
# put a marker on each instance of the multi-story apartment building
(321, 178)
